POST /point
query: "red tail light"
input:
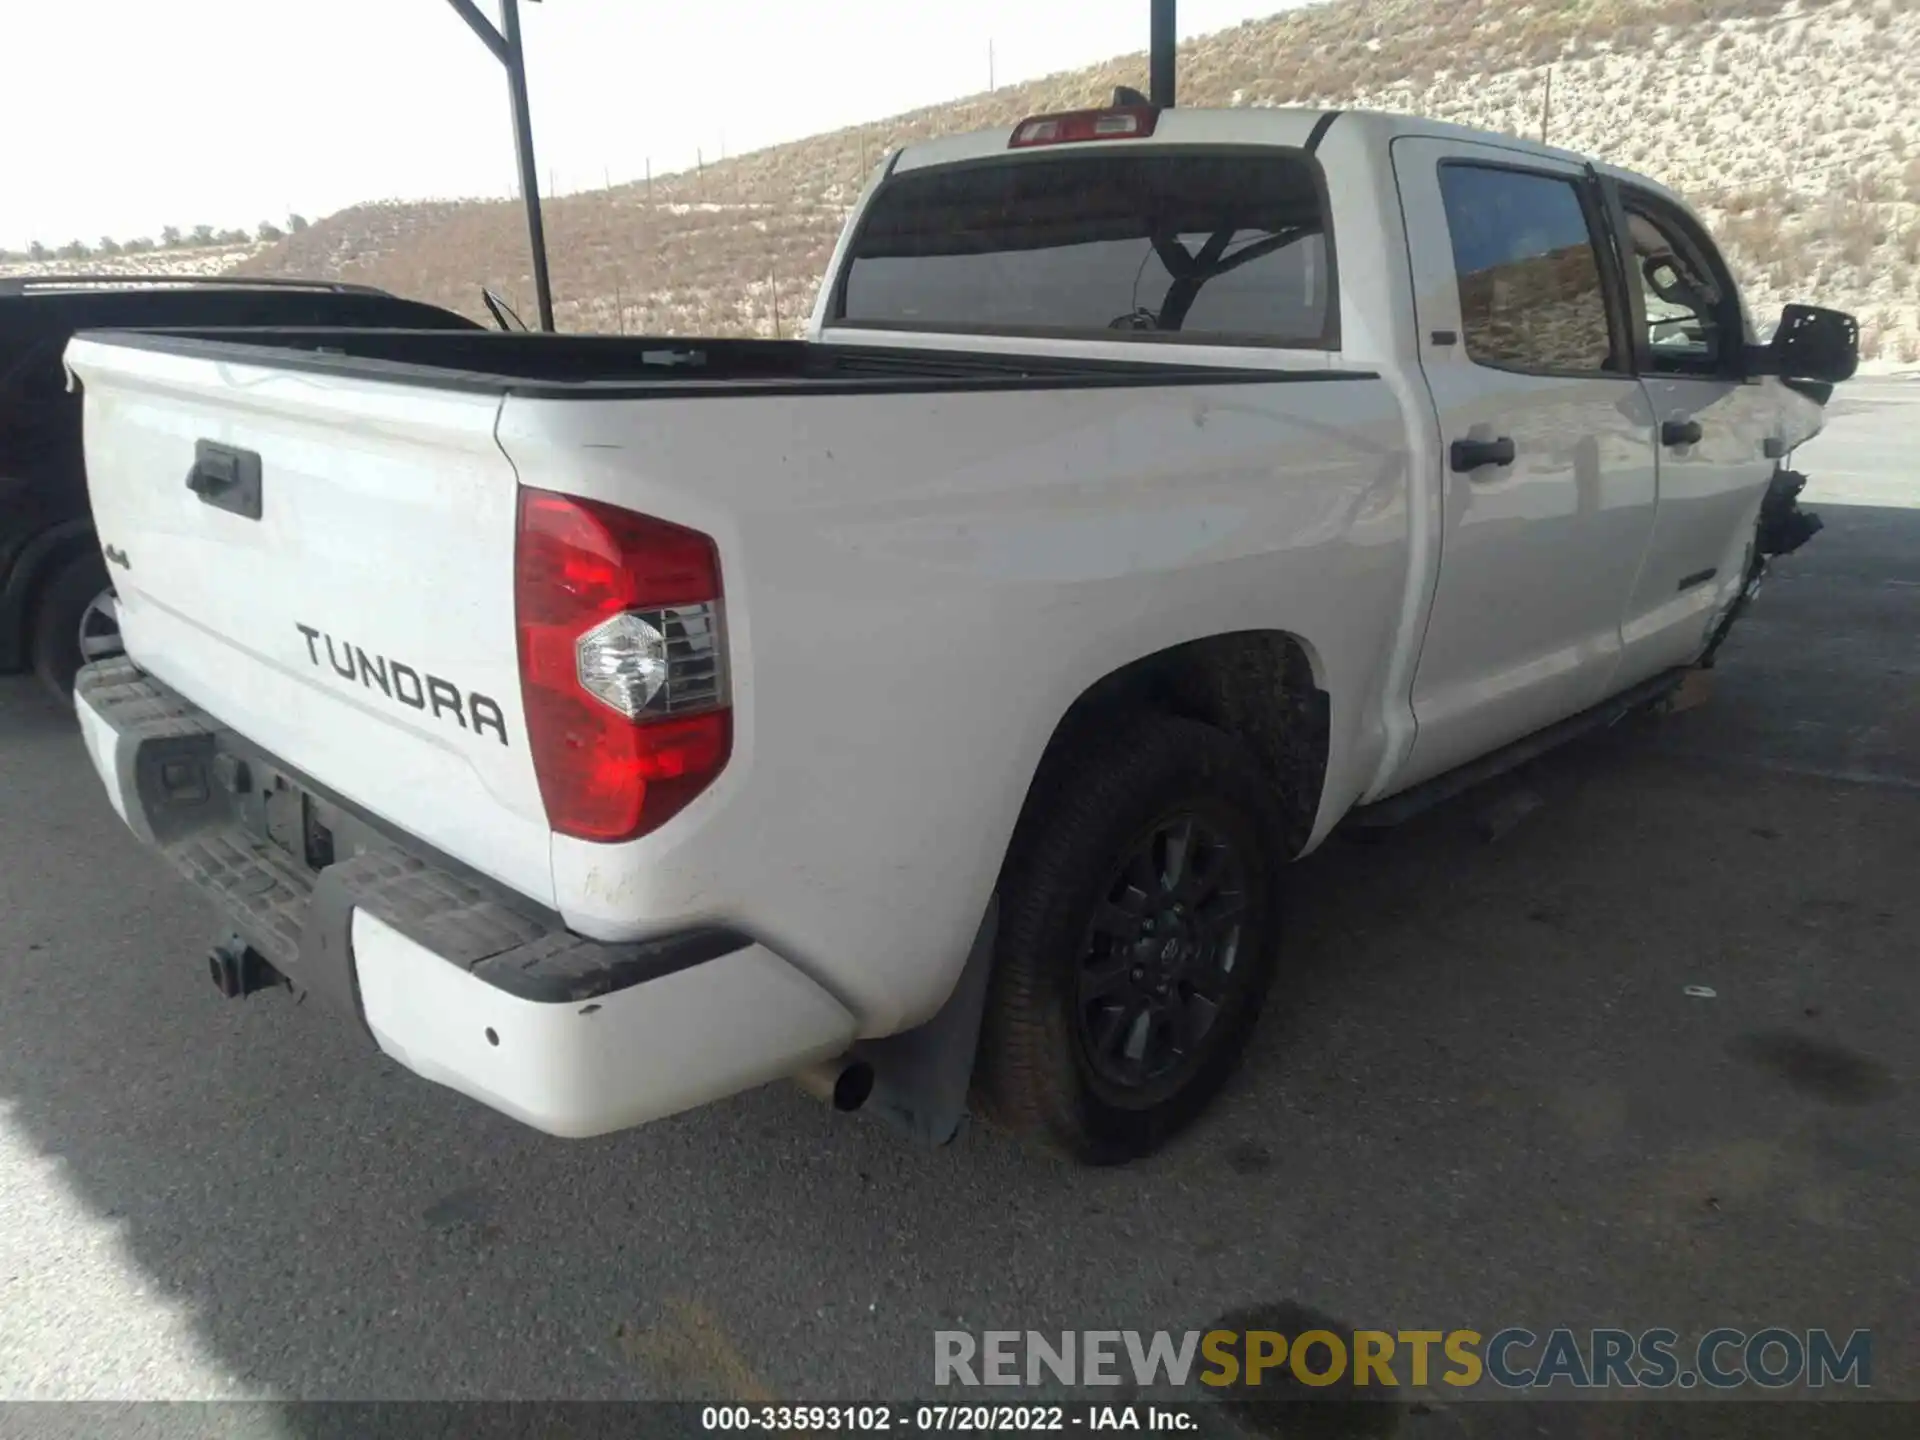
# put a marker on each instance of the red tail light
(622, 664)
(1121, 122)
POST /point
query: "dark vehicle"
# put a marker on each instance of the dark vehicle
(56, 605)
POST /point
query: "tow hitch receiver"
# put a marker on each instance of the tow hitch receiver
(238, 969)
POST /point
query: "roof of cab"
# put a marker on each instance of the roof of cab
(1258, 125)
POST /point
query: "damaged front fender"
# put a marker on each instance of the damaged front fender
(1783, 528)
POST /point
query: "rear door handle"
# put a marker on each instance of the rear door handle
(1680, 432)
(1473, 454)
(226, 478)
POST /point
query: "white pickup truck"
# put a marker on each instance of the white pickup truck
(926, 709)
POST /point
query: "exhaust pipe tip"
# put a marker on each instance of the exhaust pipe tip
(844, 1082)
(238, 970)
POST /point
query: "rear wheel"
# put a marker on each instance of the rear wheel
(74, 622)
(1139, 929)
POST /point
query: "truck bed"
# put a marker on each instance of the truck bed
(638, 366)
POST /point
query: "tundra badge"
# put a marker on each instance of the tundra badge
(402, 682)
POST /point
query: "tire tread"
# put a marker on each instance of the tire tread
(1029, 1081)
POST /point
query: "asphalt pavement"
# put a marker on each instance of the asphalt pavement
(1483, 1095)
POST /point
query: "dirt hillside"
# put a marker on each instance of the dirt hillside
(1795, 125)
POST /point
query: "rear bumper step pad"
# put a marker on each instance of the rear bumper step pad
(178, 773)
(461, 981)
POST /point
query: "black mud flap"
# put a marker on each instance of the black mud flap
(922, 1077)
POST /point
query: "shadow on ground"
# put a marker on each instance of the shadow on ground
(1482, 1096)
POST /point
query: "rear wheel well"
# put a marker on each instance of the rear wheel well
(1256, 685)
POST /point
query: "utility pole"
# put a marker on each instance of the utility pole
(504, 44)
(1165, 36)
(990, 85)
(1546, 107)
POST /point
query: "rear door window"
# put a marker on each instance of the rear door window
(1224, 248)
(1531, 294)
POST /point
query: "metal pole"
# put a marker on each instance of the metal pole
(1160, 60)
(504, 45)
(516, 60)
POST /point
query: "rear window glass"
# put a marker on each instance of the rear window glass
(1148, 246)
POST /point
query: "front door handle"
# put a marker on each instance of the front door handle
(1680, 432)
(1473, 454)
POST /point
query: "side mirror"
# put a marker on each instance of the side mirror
(1812, 343)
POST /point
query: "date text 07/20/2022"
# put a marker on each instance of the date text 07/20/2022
(945, 1419)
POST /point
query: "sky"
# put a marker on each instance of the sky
(128, 115)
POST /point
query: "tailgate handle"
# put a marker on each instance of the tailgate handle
(226, 478)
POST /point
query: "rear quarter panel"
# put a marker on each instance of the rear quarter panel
(919, 585)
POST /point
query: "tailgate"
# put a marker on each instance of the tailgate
(325, 565)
